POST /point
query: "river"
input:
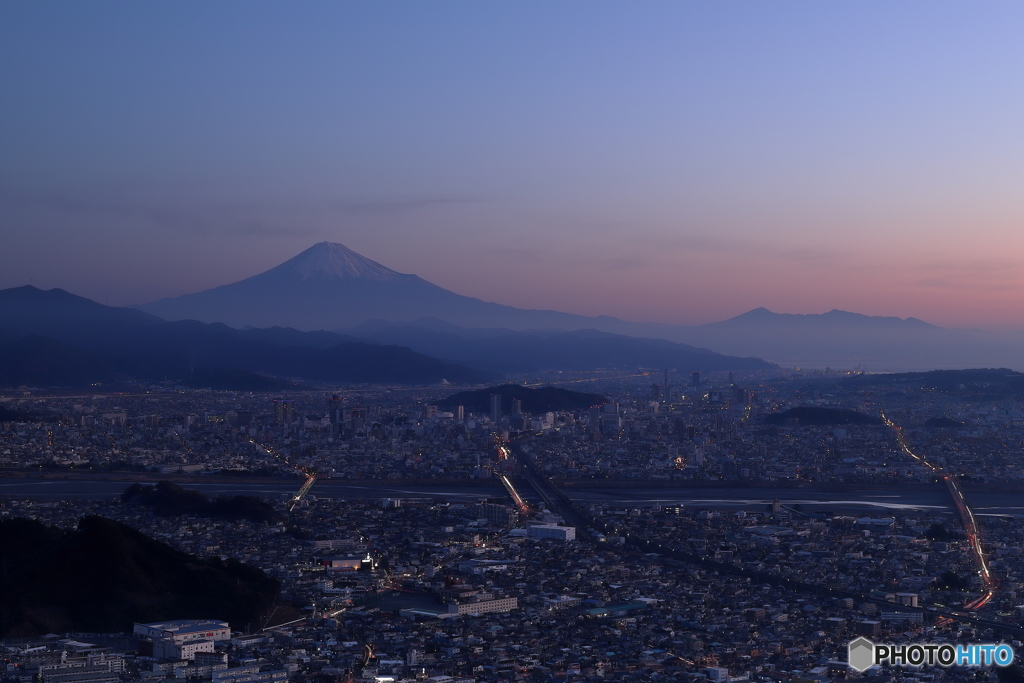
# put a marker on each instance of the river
(866, 500)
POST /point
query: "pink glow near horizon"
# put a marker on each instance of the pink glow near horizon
(676, 163)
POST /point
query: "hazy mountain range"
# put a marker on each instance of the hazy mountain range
(846, 340)
(330, 287)
(54, 338)
(505, 350)
(330, 315)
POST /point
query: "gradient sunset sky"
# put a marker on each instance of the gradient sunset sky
(671, 162)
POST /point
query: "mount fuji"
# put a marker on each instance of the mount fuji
(331, 287)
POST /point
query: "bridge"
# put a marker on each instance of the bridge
(310, 474)
(505, 454)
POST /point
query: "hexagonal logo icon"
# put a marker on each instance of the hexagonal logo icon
(861, 654)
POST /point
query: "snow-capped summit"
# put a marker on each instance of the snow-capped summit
(332, 261)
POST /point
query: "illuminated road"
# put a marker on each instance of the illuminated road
(306, 486)
(311, 475)
(555, 499)
(505, 454)
(520, 503)
(966, 515)
(595, 530)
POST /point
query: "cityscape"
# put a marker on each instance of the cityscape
(511, 342)
(666, 532)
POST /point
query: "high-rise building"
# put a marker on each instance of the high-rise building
(495, 408)
(460, 413)
(610, 421)
(334, 411)
(284, 411)
(695, 377)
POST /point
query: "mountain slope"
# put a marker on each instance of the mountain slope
(105, 575)
(511, 351)
(329, 286)
(30, 310)
(834, 319)
(70, 341)
(843, 339)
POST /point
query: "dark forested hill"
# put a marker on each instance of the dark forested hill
(170, 500)
(534, 400)
(104, 576)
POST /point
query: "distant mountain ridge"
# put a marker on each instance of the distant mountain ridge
(30, 310)
(504, 350)
(847, 340)
(832, 318)
(53, 338)
(330, 287)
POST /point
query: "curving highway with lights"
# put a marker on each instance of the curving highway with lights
(966, 516)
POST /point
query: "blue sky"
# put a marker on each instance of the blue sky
(674, 162)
